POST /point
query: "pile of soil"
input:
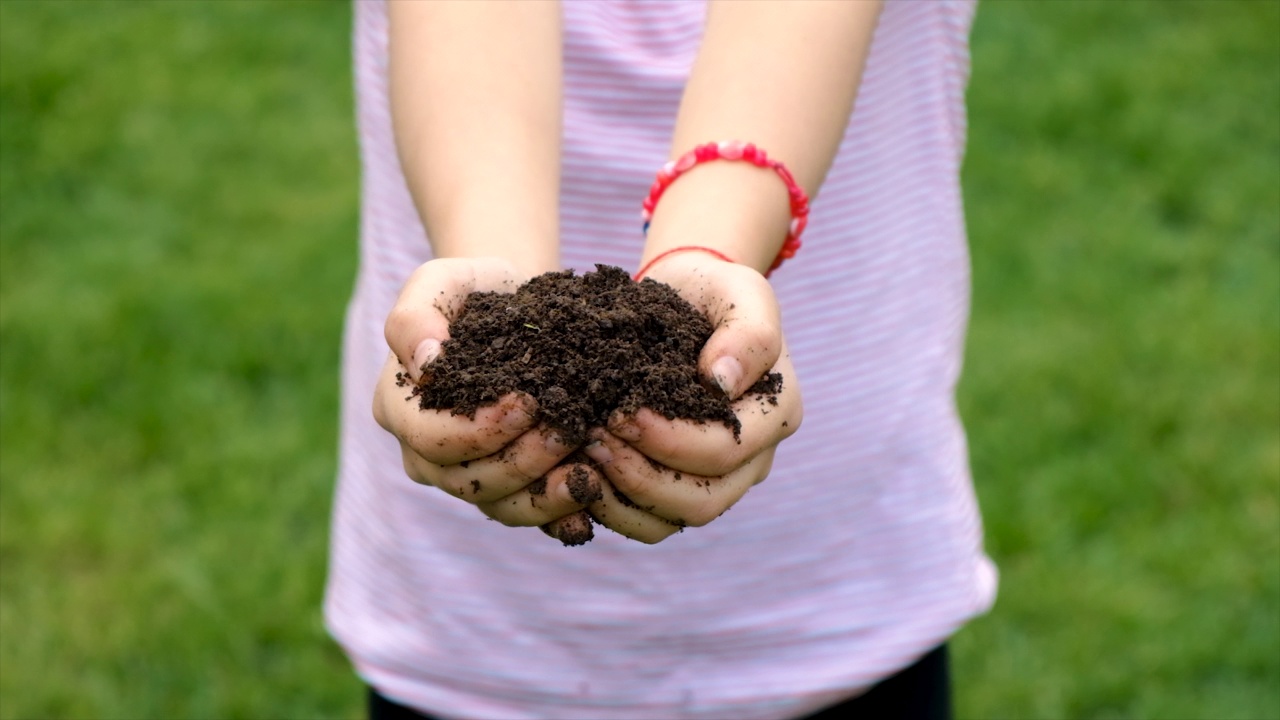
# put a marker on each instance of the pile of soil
(583, 346)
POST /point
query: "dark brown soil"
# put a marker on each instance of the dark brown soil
(582, 346)
(581, 489)
(573, 530)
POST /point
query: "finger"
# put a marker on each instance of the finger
(495, 476)
(565, 490)
(572, 529)
(682, 498)
(742, 308)
(710, 448)
(489, 478)
(441, 437)
(419, 322)
(618, 513)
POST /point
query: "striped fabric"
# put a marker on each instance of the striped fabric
(861, 551)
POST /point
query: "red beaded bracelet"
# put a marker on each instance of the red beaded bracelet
(734, 150)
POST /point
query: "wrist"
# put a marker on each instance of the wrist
(525, 235)
(733, 208)
(648, 263)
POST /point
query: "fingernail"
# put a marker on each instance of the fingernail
(515, 418)
(598, 452)
(519, 411)
(555, 445)
(728, 373)
(625, 427)
(426, 351)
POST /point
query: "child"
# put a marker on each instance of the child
(506, 138)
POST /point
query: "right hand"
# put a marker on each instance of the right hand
(676, 473)
(494, 460)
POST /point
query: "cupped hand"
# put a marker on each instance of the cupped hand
(665, 474)
(500, 460)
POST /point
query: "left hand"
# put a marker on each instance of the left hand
(498, 460)
(673, 473)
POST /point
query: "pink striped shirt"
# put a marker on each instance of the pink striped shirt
(861, 551)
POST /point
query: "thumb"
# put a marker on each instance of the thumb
(747, 340)
(418, 324)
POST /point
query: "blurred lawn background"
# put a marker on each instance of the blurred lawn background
(178, 217)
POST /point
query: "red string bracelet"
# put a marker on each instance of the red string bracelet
(683, 248)
(734, 150)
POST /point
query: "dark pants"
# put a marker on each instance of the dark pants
(920, 692)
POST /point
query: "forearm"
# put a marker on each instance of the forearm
(475, 92)
(782, 76)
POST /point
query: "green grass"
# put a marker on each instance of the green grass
(177, 240)
(1123, 378)
(179, 218)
